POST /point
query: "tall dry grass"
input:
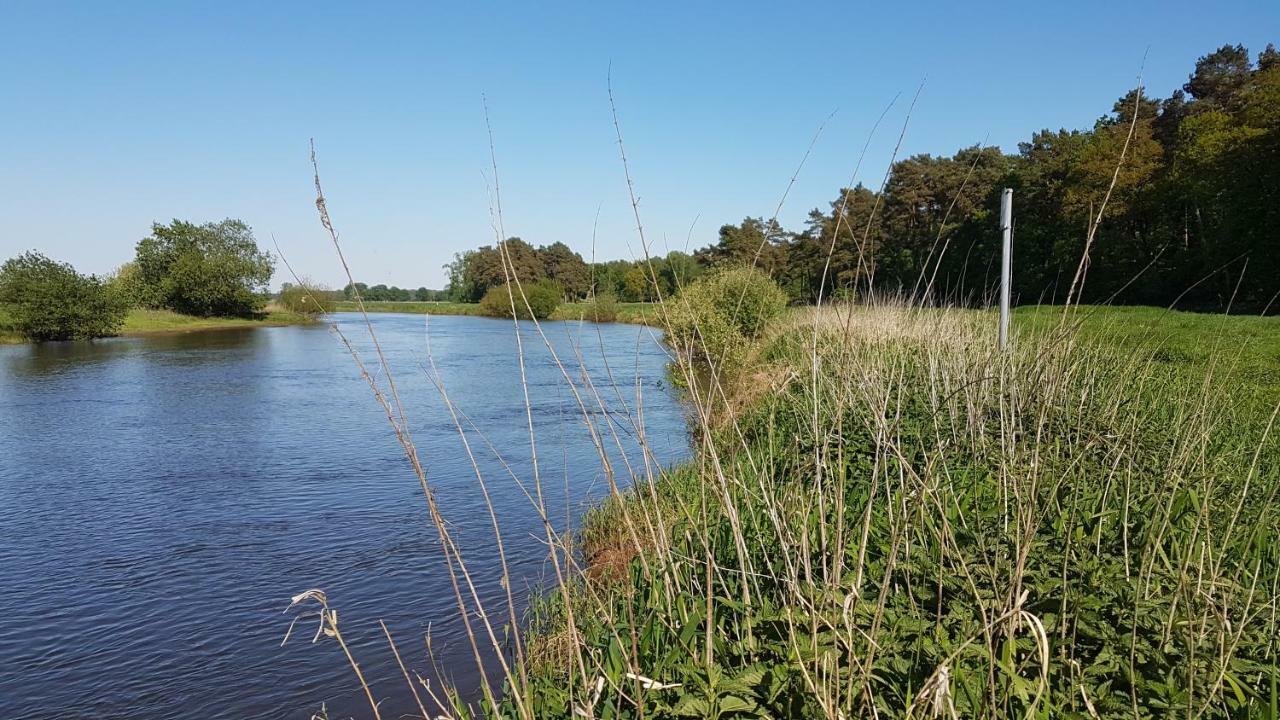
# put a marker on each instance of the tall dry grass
(887, 517)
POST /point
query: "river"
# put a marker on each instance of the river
(162, 497)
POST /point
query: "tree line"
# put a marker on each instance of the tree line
(473, 273)
(1181, 195)
(383, 293)
(1191, 216)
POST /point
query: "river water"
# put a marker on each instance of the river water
(162, 497)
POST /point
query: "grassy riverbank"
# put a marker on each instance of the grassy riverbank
(147, 322)
(641, 313)
(142, 322)
(887, 517)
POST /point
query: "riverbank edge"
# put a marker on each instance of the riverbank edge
(631, 313)
(142, 322)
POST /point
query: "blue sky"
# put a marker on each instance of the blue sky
(115, 115)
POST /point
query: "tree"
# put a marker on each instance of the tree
(459, 287)
(567, 268)
(1219, 76)
(125, 284)
(678, 270)
(49, 300)
(840, 247)
(637, 286)
(211, 269)
(1269, 58)
(487, 267)
(756, 241)
(610, 277)
(926, 202)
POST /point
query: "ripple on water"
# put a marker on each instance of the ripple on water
(161, 498)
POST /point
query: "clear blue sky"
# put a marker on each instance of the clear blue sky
(115, 115)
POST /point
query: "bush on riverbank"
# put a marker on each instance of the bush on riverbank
(716, 317)
(306, 298)
(49, 300)
(601, 307)
(539, 300)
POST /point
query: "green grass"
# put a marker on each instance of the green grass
(141, 321)
(627, 312)
(1247, 348)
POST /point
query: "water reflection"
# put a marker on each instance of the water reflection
(187, 347)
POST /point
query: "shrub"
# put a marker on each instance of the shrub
(715, 316)
(306, 299)
(210, 269)
(602, 307)
(543, 298)
(49, 300)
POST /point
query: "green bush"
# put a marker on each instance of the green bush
(49, 300)
(602, 307)
(306, 299)
(125, 285)
(543, 299)
(207, 270)
(715, 316)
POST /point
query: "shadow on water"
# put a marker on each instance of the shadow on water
(55, 357)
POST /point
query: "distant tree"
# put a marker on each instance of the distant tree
(567, 268)
(925, 203)
(678, 270)
(49, 300)
(459, 287)
(492, 266)
(210, 269)
(610, 277)
(637, 285)
(755, 241)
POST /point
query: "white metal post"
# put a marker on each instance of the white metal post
(1006, 262)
